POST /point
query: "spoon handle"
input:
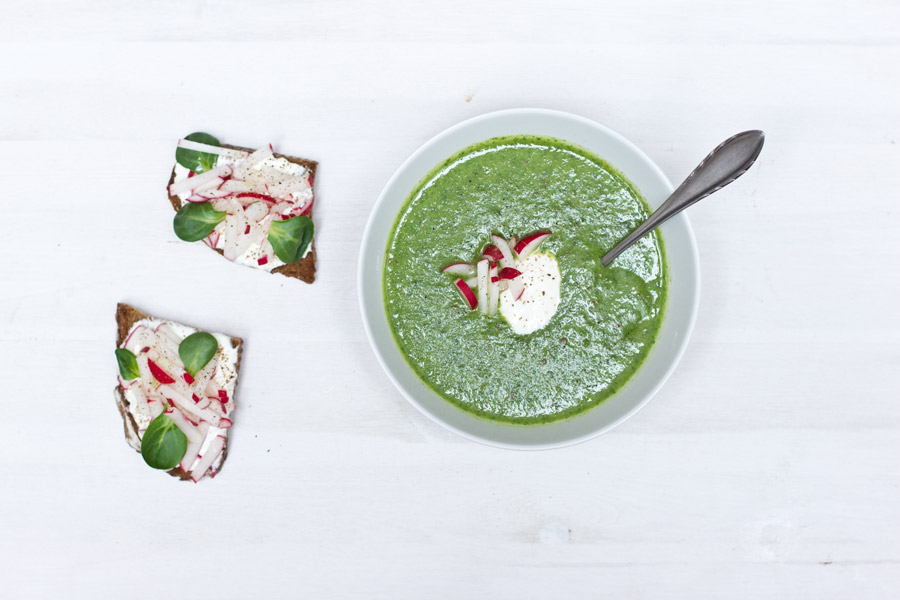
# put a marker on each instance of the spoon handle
(728, 161)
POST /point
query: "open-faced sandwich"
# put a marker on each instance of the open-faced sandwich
(176, 392)
(253, 207)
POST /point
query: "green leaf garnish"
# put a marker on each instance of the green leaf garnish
(196, 350)
(128, 367)
(291, 237)
(164, 444)
(196, 220)
(194, 160)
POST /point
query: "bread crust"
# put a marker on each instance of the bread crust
(305, 268)
(126, 317)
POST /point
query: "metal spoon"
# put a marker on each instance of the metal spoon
(727, 162)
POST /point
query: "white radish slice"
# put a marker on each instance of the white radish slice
(140, 338)
(256, 211)
(461, 269)
(192, 433)
(193, 449)
(516, 287)
(251, 161)
(188, 407)
(210, 194)
(201, 181)
(493, 292)
(507, 260)
(503, 285)
(282, 208)
(235, 185)
(472, 282)
(168, 331)
(200, 147)
(209, 456)
(483, 274)
(205, 375)
(236, 241)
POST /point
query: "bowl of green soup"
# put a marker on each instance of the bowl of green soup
(482, 289)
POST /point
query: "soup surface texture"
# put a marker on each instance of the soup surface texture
(607, 317)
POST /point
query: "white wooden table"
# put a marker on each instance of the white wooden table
(768, 465)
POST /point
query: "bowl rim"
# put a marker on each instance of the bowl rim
(366, 315)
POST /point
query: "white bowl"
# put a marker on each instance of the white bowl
(681, 256)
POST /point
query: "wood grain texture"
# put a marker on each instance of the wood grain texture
(766, 467)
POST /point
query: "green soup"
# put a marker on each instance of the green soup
(607, 318)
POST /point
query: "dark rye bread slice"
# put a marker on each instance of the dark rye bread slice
(305, 268)
(126, 317)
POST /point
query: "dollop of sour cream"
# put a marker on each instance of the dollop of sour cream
(539, 301)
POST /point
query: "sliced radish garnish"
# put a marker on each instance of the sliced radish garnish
(506, 260)
(208, 458)
(513, 240)
(187, 406)
(225, 423)
(189, 145)
(158, 374)
(251, 161)
(529, 244)
(223, 395)
(483, 270)
(510, 273)
(461, 269)
(493, 291)
(492, 252)
(235, 186)
(256, 211)
(187, 378)
(467, 293)
(472, 282)
(516, 287)
(193, 435)
(201, 181)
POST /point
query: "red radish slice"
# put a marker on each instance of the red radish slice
(462, 269)
(201, 181)
(223, 395)
(208, 458)
(225, 423)
(467, 293)
(507, 259)
(262, 260)
(493, 252)
(203, 403)
(187, 378)
(483, 269)
(510, 273)
(158, 374)
(190, 145)
(257, 196)
(529, 244)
